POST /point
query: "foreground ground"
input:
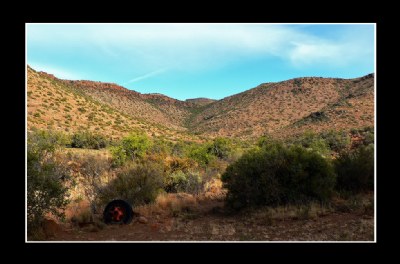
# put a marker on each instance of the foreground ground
(208, 220)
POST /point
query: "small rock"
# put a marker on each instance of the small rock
(143, 220)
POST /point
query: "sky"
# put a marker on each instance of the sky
(199, 60)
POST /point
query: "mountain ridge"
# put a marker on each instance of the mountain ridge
(278, 108)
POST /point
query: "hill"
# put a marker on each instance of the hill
(281, 109)
(290, 107)
(71, 106)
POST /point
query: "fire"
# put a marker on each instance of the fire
(118, 213)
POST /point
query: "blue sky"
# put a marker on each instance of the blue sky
(199, 60)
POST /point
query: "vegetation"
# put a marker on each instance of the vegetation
(47, 189)
(139, 183)
(313, 141)
(189, 182)
(136, 145)
(201, 154)
(221, 148)
(143, 156)
(276, 175)
(91, 171)
(337, 141)
(355, 169)
(86, 139)
(131, 147)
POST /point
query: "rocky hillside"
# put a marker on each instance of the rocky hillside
(67, 106)
(281, 109)
(290, 107)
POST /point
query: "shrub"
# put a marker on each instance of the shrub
(366, 134)
(173, 164)
(46, 179)
(355, 169)
(135, 145)
(200, 154)
(161, 146)
(139, 184)
(179, 149)
(220, 147)
(86, 139)
(130, 148)
(119, 155)
(278, 175)
(41, 141)
(92, 169)
(189, 182)
(312, 141)
(337, 141)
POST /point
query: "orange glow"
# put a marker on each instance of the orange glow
(118, 213)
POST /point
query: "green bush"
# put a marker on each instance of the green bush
(47, 180)
(201, 154)
(338, 141)
(276, 174)
(138, 183)
(86, 139)
(180, 149)
(41, 140)
(311, 140)
(118, 155)
(355, 169)
(221, 148)
(161, 146)
(366, 134)
(190, 182)
(136, 145)
(130, 148)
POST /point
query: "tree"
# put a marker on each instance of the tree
(220, 147)
(47, 180)
(131, 147)
(136, 145)
(200, 153)
(355, 169)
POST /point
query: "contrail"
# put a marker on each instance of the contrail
(147, 75)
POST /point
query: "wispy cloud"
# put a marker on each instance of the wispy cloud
(197, 47)
(145, 76)
(55, 70)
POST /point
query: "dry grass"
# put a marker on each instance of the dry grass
(170, 204)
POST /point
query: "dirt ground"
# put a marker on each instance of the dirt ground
(213, 223)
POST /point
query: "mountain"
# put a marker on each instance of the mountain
(290, 107)
(103, 108)
(199, 102)
(281, 109)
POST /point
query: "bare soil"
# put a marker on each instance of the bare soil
(213, 223)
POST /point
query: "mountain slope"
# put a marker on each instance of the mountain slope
(157, 109)
(281, 109)
(56, 104)
(154, 108)
(275, 107)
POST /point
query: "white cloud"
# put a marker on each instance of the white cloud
(306, 54)
(199, 46)
(56, 71)
(145, 76)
